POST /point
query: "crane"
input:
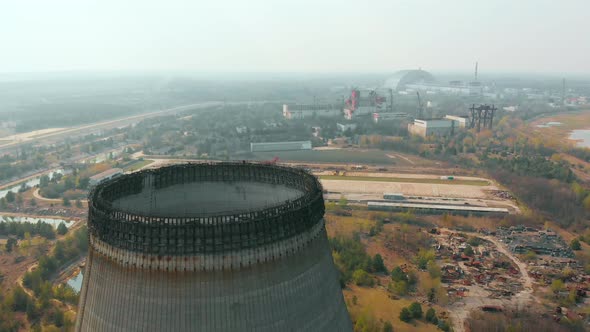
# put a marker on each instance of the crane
(420, 106)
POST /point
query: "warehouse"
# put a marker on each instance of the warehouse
(280, 146)
(436, 208)
(435, 127)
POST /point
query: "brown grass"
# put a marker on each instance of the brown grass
(376, 301)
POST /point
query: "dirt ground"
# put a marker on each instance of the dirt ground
(14, 265)
(410, 189)
(478, 297)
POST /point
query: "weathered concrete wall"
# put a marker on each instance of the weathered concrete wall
(208, 262)
(297, 292)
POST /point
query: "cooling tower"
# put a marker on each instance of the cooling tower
(210, 247)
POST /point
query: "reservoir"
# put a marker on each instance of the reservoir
(582, 136)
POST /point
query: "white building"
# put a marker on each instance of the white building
(436, 127)
(460, 121)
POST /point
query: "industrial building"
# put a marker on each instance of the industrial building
(343, 127)
(436, 208)
(422, 80)
(363, 103)
(460, 121)
(434, 127)
(472, 88)
(437, 127)
(394, 196)
(210, 247)
(280, 146)
(301, 111)
(378, 117)
(106, 175)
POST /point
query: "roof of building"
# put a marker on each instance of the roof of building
(438, 207)
(279, 143)
(434, 123)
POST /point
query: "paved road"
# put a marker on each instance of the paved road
(54, 137)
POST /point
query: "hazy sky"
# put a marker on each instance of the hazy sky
(295, 36)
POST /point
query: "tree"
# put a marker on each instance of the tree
(66, 201)
(362, 278)
(19, 299)
(387, 327)
(430, 315)
(423, 257)
(416, 310)
(44, 181)
(444, 326)
(10, 197)
(575, 244)
(378, 265)
(557, 285)
(62, 229)
(530, 256)
(431, 294)
(468, 251)
(399, 288)
(3, 203)
(405, 315)
(78, 204)
(10, 244)
(397, 274)
(433, 269)
(28, 238)
(69, 183)
(343, 201)
(83, 183)
(32, 311)
(33, 202)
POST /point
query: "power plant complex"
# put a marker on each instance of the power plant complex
(210, 247)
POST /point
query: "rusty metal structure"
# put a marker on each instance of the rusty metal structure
(210, 247)
(482, 116)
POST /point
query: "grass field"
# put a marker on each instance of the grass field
(345, 226)
(137, 165)
(560, 134)
(376, 302)
(405, 180)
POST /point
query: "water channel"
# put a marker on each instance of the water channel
(31, 182)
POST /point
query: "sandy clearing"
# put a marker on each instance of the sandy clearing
(411, 189)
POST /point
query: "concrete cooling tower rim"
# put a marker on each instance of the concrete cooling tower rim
(174, 217)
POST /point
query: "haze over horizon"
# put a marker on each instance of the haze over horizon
(295, 36)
